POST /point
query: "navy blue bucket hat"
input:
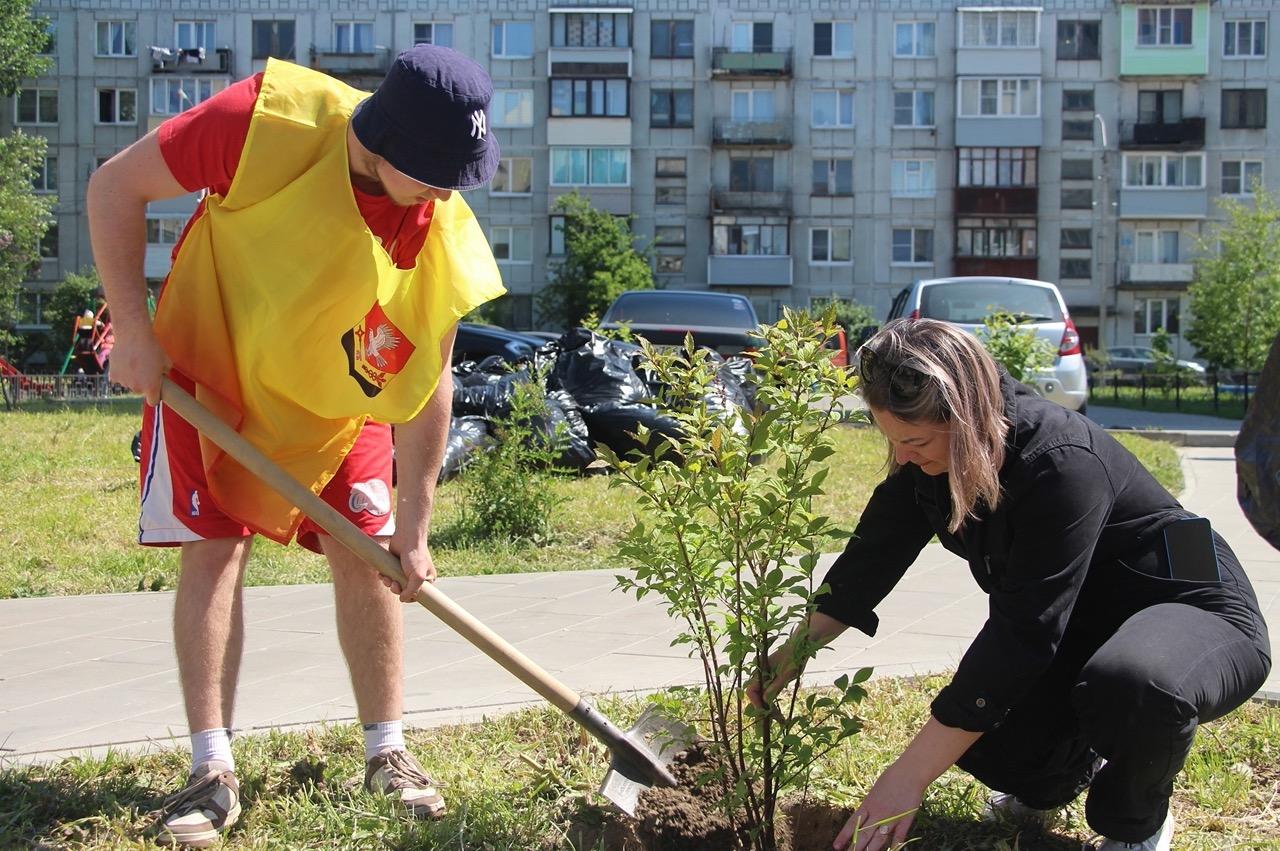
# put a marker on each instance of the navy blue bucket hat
(430, 119)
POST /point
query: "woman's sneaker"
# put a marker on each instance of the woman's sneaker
(1162, 840)
(1001, 806)
(208, 805)
(396, 773)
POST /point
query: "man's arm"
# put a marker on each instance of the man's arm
(420, 448)
(119, 192)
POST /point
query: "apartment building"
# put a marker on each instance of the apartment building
(789, 150)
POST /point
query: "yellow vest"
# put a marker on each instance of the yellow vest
(291, 317)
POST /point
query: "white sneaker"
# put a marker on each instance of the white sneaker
(1161, 841)
(1003, 806)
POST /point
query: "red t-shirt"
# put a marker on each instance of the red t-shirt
(202, 148)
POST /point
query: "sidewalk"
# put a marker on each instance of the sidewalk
(81, 674)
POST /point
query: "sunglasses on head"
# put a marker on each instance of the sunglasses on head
(905, 381)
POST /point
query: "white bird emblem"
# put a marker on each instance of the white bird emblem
(381, 338)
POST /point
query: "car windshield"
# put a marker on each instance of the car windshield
(971, 302)
(682, 309)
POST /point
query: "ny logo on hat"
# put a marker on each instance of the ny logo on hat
(478, 122)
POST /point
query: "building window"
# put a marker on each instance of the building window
(590, 166)
(49, 44)
(1077, 199)
(353, 37)
(996, 237)
(669, 235)
(1170, 171)
(1077, 131)
(274, 39)
(671, 108)
(433, 33)
(513, 40)
(607, 97)
(914, 39)
(1240, 176)
(912, 246)
(36, 106)
(49, 243)
(1160, 107)
(999, 28)
(1244, 39)
(913, 179)
(674, 194)
(1076, 238)
(1155, 246)
(671, 39)
(830, 245)
(1079, 39)
(997, 167)
(1164, 26)
(1152, 314)
(913, 109)
(1078, 99)
(513, 177)
(754, 240)
(669, 264)
(832, 109)
(512, 244)
(165, 230)
(1073, 169)
(751, 37)
(46, 179)
(556, 247)
(751, 174)
(833, 39)
(195, 35)
(173, 95)
(751, 105)
(117, 106)
(590, 29)
(1075, 267)
(833, 177)
(1244, 108)
(1007, 97)
(512, 108)
(117, 38)
(670, 167)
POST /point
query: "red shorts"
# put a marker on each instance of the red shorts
(177, 507)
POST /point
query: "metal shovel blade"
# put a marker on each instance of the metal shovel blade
(661, 739)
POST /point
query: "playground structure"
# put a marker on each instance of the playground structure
(91, 342)
(85, 371)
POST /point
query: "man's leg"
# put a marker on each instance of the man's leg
(370, 621)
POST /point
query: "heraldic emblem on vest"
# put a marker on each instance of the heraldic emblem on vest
(376, 351)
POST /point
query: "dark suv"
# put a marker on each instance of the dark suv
(717, 321)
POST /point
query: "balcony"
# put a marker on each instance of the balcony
(1158, 273)
(759, 203)
(1187, 133)
(772, 64)
(756, 134)
(999, 267)
(749, 270)
(997, 200)
(168, 60)
(368, 63)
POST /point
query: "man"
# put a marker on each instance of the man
(313, 299)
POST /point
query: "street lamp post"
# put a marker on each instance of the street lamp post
(1104, 205)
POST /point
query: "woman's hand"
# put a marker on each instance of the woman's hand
(884, 818)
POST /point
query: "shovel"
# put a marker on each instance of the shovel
(639, 757)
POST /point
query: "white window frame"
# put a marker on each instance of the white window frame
(509, 101)
(917, 37)
(354, 38)
(1143, 178)
(195, 34)
(501, 38)
(41, 97)
(831, 165)
(841, 32)
(836, 247)
(518, 240)
(584, 172)
(742, 36)
(1150, 245)
(43, 183)
(1250, 170)
(118, 108)
(1255, 42)
(504, 179)
(164, 230)
(441, 33)
(191, 91)
(1163, 26)
(1146, 308)
(108, 32)
(999, 91)
(751, 105)
(913, 237)
(913, 177)
(842, 109)
(922, 108)
(999, 29)
(772, 240)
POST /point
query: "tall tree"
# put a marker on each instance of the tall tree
(1235, 295)
(600, 261)
(24, 216)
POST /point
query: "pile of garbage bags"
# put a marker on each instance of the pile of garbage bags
(596, 392)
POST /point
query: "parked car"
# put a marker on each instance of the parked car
(718, 321)
(967, 301)
(1144, 359)
(475, 342)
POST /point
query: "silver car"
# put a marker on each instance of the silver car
(967, 301)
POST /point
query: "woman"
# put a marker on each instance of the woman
(1096, 663)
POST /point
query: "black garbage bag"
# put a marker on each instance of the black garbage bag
(595, 370)
(467, 435)
(485, 394)
(614, 424)
(561, 425)
(1257, 453)
(739, 377)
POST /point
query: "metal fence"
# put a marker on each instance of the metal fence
(16, 389)
(1216, 387)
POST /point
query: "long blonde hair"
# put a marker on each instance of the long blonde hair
(955, 381)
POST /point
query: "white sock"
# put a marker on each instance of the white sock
(382, 736)
(212, 744)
